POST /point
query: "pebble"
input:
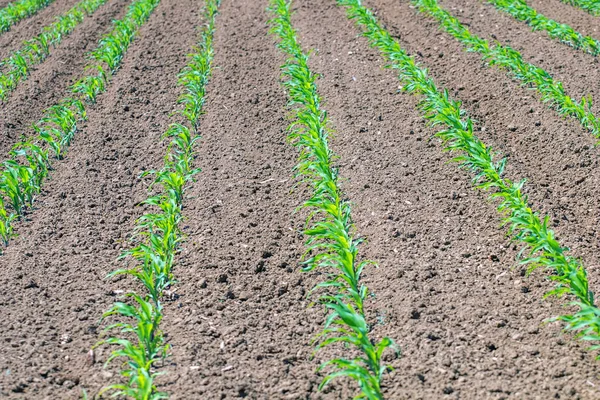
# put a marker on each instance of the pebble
(245, 295)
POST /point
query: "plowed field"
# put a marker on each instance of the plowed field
(448, 289)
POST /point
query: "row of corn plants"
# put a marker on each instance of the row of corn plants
(157, 235)
(17, 66)
(590, 6)
(541, 249)
(22, 175)
(538, 22)
(331, 243)
(21, 9)
(551, 91)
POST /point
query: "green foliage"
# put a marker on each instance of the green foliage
(6, 219)
(521, 11)
(140, 354)
(551, 91)
(157, 234)
(18, 65)
(196, 74)
(91, 86)
(331, 244)
(14, 12)
(59, 125)
(590, 6)
(541, 249)
(22, 176)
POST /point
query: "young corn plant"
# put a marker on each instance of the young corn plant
(331, 244)
(551, 91)
(59, 125)
(15, 12)
(22, 175)
(157, 234)
(194, 78)
(150, 346)
(525, 226)
(590, 6)
(538, 22)
(16, 67)
(6, 219)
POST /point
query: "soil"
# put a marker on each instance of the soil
(447, 289)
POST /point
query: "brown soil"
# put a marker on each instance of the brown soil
(532, 136)
(469, 326)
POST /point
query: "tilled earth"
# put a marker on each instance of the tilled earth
(448, 289)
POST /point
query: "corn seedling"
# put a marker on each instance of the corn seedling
(157, 234)
(590, 6)
(194, 78)
(331, 244)
(17, 66)
(22, 176)
(551, 91)
(59, 125)
(6, 219)
(541, 249)
(538, 22)
(150, 346)
(15, 12)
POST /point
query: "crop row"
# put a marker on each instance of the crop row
(591, 6)
(157, 234)
(24, 172)
(15, 12)
(331, 245)
(551, 91)
(541, 249)
(18, 65)
(521, 11)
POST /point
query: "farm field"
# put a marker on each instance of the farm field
(288, 113)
